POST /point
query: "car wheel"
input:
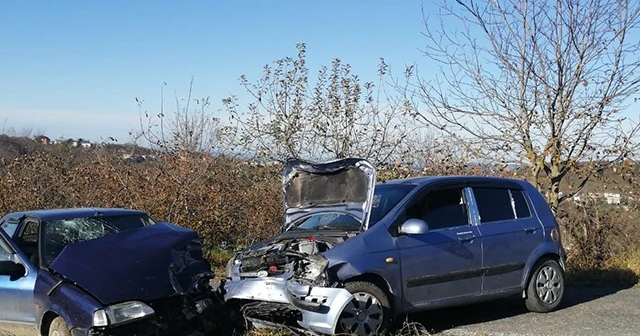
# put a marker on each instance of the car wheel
(546, 287)
(368, 312)
(58, 327)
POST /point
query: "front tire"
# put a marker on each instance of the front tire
(369, 311)
(58, 327)
(546, 287)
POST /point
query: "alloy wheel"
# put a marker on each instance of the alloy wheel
(363, 315)
(548, 285)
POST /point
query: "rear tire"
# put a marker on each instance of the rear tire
(546, 287)
(58, 327)
(368, 313)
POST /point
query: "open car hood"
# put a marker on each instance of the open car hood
(141, 264)
(344, 185)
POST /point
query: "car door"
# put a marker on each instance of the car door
(17, 306)
(445, 262)
(510, 234)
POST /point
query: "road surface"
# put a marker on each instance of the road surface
(585, 311)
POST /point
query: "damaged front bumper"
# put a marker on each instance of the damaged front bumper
(320, 307)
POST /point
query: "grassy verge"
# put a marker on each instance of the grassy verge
(407, 329)
(218, 258)
(621, 270)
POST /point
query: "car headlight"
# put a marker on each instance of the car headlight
(121, 313)
(229, 270)
(314, 270)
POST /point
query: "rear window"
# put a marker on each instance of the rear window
(500, 204)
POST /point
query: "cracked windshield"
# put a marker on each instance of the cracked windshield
(59, 233)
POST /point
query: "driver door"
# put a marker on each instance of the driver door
(445, 262)
(17, 307)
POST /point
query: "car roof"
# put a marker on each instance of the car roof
(423, 180)
(56, 214)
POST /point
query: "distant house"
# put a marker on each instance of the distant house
(66, 141)
(85, 144)
(577, 199)
(43, 139)
(608, 197)
(612, 198)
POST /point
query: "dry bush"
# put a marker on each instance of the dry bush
(601, 237)
(230, 203)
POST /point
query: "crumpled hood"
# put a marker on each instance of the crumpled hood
(141, 264)
(344, 185)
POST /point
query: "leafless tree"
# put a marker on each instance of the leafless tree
(330, 116)
(192, 127)
(549, 84)
(183, 140)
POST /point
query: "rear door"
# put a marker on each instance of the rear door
(509, 236)
(446, 262)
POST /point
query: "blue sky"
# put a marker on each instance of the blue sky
(74, 68)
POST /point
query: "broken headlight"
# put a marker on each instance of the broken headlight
(313, 270)
(121, 313)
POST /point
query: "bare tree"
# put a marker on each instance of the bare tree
(192, 128)
(333, 115)
(184, 142)
(543, 83)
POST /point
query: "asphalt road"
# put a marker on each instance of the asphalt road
(585, 311)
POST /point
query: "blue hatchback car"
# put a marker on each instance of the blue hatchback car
(101, 272)
(354, 254)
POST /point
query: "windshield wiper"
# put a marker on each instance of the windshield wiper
(339, 227)
(113, 228)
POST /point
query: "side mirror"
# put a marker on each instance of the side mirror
(14, 270)
(413, 226)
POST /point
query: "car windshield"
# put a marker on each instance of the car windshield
(386, 196)
(328, 221)
(59, 233)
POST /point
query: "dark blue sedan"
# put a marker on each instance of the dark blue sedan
(89, 271)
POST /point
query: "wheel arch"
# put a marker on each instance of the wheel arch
(529, 271)
(380, 282)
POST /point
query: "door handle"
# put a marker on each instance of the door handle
(466, 236)
(530, 230)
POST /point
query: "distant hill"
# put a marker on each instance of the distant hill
(15, 146)
(622, 178)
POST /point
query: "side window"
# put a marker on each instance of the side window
(4, 253)
(28, 240)
(30, 229)
(9, 226)
(493, 204)
(441, 209)
(500, 204)
(520, 204)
